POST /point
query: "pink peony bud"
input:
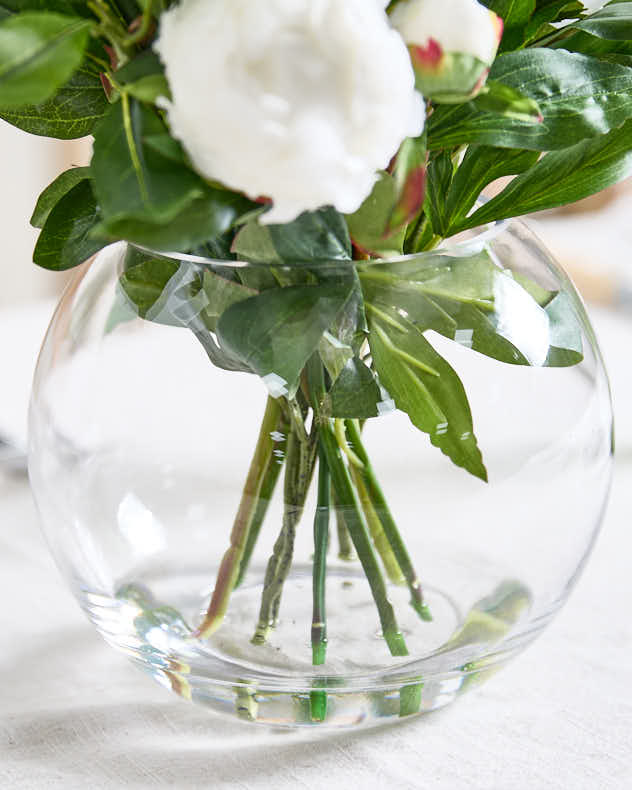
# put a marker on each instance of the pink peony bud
(452, 44)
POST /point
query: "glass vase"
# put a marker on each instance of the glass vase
(298, 555)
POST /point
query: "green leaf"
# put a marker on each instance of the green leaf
(150, 88)
(144, 77)
(423, 385)
(38, 53)
(483, 332)
(400, 294)
(201, 221)
(73, 112)
(601, 35)
(565, 333)
(347, 333)
(579, 97)
(276, 332)
(132, 179)
(614, 22)
(515, 15)
(562, 177)
(548, 12)
(368, 226)
(314, 235)
(472, 301)
(439, 178)
(504, 100)
(470, 279)
(67, 7)
(146, 64)
(130, 9)
(145, 281)
(171, 292)
(356, 393)
(220, 295)
(481, 166)
(334, 354)
(65, 239)
(55, 192)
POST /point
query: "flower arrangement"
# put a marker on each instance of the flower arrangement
(324, 140)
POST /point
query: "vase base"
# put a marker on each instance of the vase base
(275, 684)
(355, 642)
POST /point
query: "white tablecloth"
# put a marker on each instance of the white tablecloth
(74, 714)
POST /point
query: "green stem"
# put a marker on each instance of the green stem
(349, 509)
(410, 699)
(139, 35)
(265, 496)
(345, 546)
(380, 541)
(388, 523)
(111, 28)
(420, 235)
(321, 541)
(279, 562)
(361, 540)
(231, 562)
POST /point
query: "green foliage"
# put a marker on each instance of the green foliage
(146, 191)
(221, 293)
(369, 226)
(504, 100)
(55, 192)
(276, 332)
(355, 393)
(561, 177)
(314, 236)
(144, 78)
(515, 14)
(472, 301)
(73, 111)
(423, 385)
(579, 97)
(556, 113)
(614, 22)
(481, 166)
(67, 7)
(526, 21)
(132, 179)
(145, 283)
(168, 292)
(65, 240)
(440, 172)
(38, 53)
(205, 218)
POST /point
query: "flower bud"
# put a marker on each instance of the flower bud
(452, 44)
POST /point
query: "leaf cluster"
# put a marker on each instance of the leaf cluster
(555, 114)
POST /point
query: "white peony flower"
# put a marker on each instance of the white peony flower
(463, 26)
(300, 101)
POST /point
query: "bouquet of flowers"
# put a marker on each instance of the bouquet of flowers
(325, 140)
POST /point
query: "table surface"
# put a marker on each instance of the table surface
(75, 714)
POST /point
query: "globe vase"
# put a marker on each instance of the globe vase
(347, 580)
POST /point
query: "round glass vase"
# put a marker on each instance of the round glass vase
(300, 512)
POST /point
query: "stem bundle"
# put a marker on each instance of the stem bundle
(365, 523)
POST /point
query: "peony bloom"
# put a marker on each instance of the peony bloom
(452, 44)
(300, 101)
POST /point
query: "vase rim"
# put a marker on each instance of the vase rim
(463, 244)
